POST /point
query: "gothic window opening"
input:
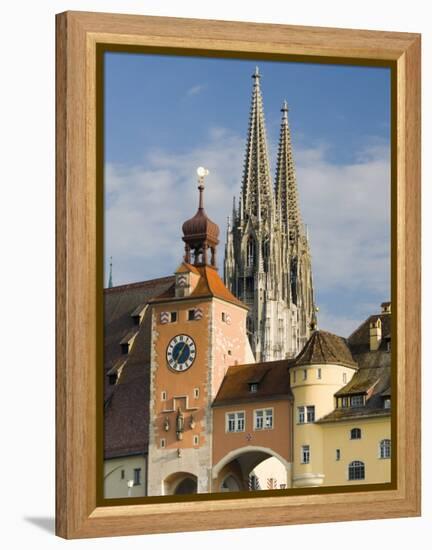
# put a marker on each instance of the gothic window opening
(266, 255)
(294, 280)
(250, 252)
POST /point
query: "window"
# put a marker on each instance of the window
(191, 315)
(356, 470)
(137, 476)
(122, 474)
(253, 387)
(196, 440)
(310, 410)
(357, 401)
(305, 454)
(338, 454)
(387, 403)
(196, 393)
(173, 316)
(163, 443)
(306, 414)
(301, 415)
(345, 402)
(235, 422)
(125, 348)
(319, 374)
(223, 316)
(164, 395)
(112, 379)
(355, 433)
(250, 252)
(385, 448)
(304, 374)
(344, 377)
(264, 419)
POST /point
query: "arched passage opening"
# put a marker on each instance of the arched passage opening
(180, 483)
(251, 469)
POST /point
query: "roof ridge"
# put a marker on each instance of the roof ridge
(138, 284)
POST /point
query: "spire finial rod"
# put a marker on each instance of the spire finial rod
(202, 173)
(256, 76)
(110, 281)
(284, 109)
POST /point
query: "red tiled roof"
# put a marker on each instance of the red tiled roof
(209, 285)
(272, 378)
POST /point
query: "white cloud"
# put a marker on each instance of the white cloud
(347, 209)
(195, 90)
(146, 205)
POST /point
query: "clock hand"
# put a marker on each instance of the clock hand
(179, 354)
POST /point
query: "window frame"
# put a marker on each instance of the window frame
(351, 468)
(355, 430)
(264, 418)
(305, 452)
(137, 476)
(384, 445)
(354, 404)
(236, 419)
(310, 409)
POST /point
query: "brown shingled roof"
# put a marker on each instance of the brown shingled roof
(209, 285)
(359, 340)
(373, 376)
(272, 378)
(325, 347)
(127, 402)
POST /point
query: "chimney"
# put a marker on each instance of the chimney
(375, 334)
(386, 308)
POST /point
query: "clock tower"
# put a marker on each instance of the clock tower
(198, 331)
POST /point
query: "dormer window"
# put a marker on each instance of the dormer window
(138, 314)
(253, 387)
(357, 401)
(387, 403)
(112, 379)
(125, 348)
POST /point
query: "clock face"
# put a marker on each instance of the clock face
(181, 352)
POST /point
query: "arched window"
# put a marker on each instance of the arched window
(250, 252)
(355, 433)
(356, 470)
(385, 448)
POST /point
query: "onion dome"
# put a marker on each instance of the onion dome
(199, 233)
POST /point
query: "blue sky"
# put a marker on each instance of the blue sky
(164, 116)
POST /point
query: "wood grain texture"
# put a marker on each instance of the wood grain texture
(78, 34)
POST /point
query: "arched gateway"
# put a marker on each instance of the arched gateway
(251, 468)
(180, 483)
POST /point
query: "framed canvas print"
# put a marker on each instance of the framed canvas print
(238, 274)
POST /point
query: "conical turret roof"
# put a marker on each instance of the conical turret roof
(325, 347)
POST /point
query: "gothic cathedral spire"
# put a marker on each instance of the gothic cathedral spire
(257, 192)
(285, 183)
(267, 260)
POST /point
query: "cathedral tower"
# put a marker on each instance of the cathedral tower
(267, 257)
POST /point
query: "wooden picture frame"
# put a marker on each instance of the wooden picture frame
(79, 35)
